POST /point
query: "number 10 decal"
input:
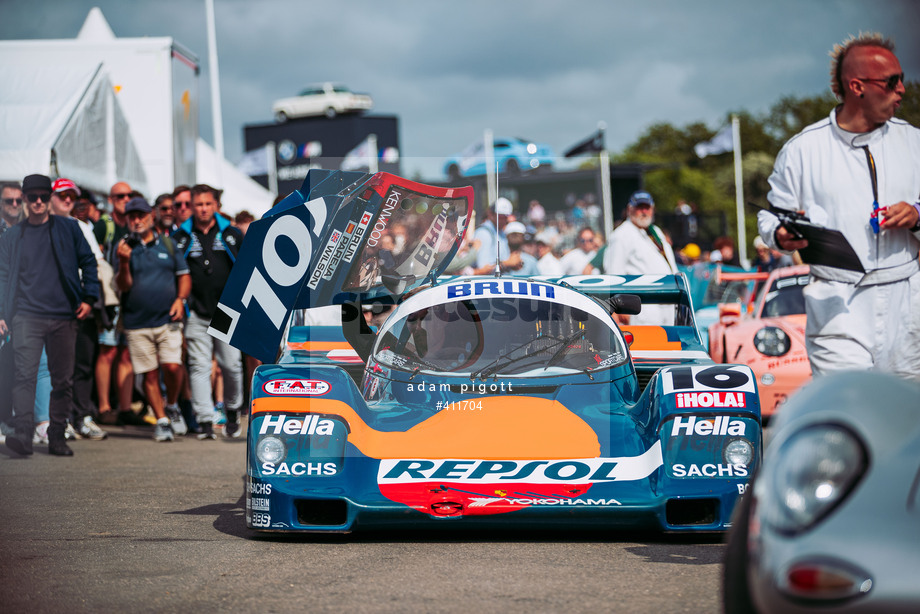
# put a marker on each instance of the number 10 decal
(707, 378)
(266, 279)
(279, 271)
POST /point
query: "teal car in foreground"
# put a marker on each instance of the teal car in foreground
(484, 402)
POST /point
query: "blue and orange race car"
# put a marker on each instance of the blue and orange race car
(493, 401)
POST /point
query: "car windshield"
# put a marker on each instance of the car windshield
(501, 336)
(726, 292)
(784, 298)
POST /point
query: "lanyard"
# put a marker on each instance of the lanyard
(873, 221)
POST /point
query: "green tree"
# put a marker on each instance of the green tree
(676, 173)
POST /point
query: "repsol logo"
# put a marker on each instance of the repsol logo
(720, 425)
(299, 469)
(312, 425)
(709, 470)
(570, 471)
(500, 288)
(384, 218)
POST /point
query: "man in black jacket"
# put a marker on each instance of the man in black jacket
(48, 281)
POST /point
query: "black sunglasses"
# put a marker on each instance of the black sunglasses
(120, 196)
(12, 201)
(34, 196)
(890, 82)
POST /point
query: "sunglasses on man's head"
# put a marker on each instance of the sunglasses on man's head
(35, 196)
(890, 82)
(12, 201)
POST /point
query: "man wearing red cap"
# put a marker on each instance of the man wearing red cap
(64, 196)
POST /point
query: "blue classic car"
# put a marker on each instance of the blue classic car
(512, 156)
(479, 401)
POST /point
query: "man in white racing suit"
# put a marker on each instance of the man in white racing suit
(639, 247)
(858, 172)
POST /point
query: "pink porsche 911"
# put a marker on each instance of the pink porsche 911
(768, 335)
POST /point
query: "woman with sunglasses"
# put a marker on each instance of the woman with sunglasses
(858, 172)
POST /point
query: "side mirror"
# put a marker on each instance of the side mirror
(629, 304)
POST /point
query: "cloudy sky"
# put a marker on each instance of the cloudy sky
(540, 69)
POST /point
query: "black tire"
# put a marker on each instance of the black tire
(512, 168)
(281, 117)
(453, 172)
(736, 591)
(330, 112)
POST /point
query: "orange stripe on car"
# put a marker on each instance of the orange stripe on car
(506, 428)
(651, 338)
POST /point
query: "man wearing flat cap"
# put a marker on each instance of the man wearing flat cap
(47, 282)
(639, 247)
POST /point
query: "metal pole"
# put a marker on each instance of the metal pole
(272, 168)
(372, 153)
(217, 119)
(739, 191)
(491, 187)
(606, 193)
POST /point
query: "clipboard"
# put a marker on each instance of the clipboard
(826, 246)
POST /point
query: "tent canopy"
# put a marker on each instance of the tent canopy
(63, 121)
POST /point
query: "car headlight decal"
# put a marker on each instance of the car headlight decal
(812, 472)
(738, 452)
(772, 341)
(270, 449)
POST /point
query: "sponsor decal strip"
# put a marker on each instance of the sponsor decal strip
(568, 471)
(309, 387)
(319, 346)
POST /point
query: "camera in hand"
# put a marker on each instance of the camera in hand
(133, 239)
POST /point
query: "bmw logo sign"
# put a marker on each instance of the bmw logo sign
(287, 151)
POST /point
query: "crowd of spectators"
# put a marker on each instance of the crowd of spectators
(153, 276)
(570, 241)
(104, 305)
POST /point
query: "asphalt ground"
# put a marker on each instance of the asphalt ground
(130, 525)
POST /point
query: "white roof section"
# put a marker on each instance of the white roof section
(151, 88)
(63, 119)
(96, 27)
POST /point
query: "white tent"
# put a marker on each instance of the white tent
(64, 120)
(155, 84)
